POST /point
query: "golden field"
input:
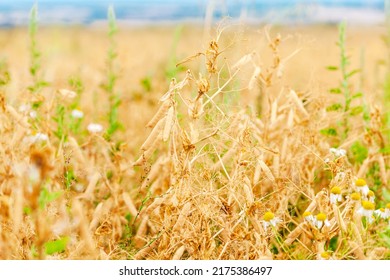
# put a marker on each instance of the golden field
(229, 160)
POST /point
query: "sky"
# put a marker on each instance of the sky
(16, 12)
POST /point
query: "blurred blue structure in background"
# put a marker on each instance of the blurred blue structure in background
(16, 12)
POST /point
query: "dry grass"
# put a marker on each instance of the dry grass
(205, 162)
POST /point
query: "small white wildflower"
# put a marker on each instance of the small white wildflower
(77, 114)
(371, 196)
(66, 93)
(335, 195)
(321, 220)
(24, 108)
(327, 160)
(367, 210)
(95, 128)
(270, 219)
(309, 217)
(387, 211)
(355, 196)
(381, 213)
(384, 212)
(33, 114)
(362, 187)
(338, 152)
(325, 256)
(38, 137)
(79, 187)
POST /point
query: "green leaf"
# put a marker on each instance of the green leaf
(385, 150)
(56, 246)
(356, 110)
(332, 68)
(386, 194)
(385, 236)
(69, 178)
(353, 72)
(147, 83)
(334, 107)
(357, 95)
(333, 243)
(329, 131)
(27, 210)
(42, 84)
(46, 197)
(36, 105)
(335, 90)
(359, 152)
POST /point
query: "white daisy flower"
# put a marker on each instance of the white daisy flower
(79, 188)
(355, 196)
(371, 196)
(335, 195)
(321, 220)
(77, 114)
(381, 213)
(367, 210)
(362, 187)
(387, 211)
(309, 217)
(24, 108)
(38, 137)
(33, 114)
(270, 219)
(325, 256)
(95, 128)
(338, 152)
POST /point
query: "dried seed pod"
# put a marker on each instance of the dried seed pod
(140, 236)
(299, 103)
(254, 78)
(160, 113)
(266, 170)
(129, 203)
(179, 253)
(153, 135)
(168, 123)
(182, 217)
(249, 198)
(148, 153)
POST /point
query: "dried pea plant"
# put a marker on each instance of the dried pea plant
(236, 182)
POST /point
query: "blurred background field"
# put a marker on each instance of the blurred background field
(80, 52)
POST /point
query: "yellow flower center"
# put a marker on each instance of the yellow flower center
(368, 205)
(355, 196)
(321, 217)
(360, 182)
(325, 255)
(388, 205)
(370, 193)
(307, 213)
(268, 216)
(336, 190)
(382, 209)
